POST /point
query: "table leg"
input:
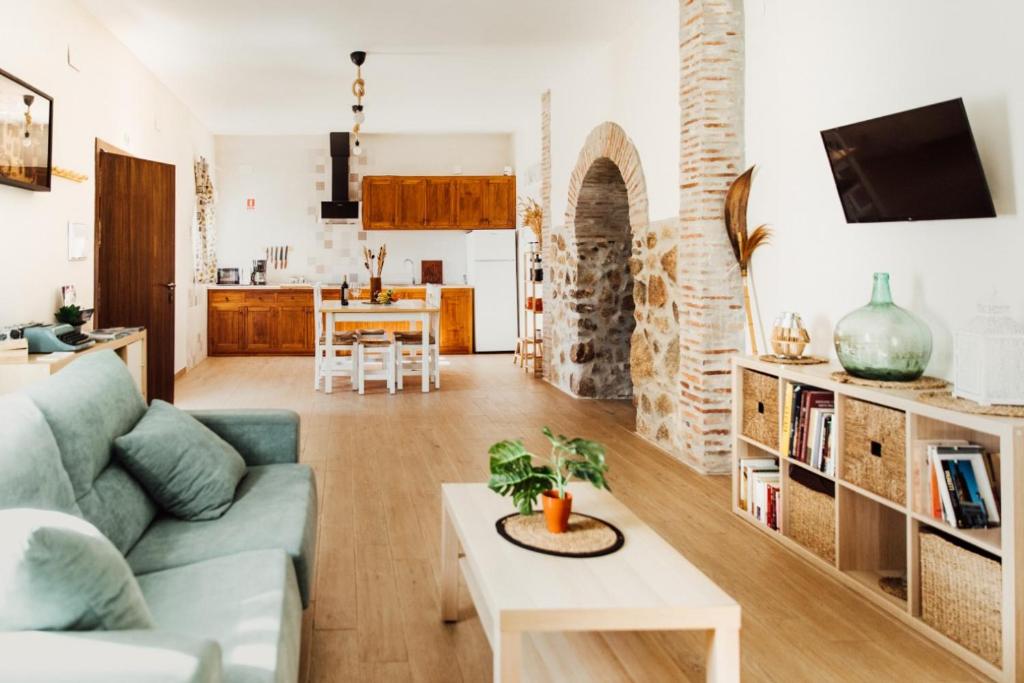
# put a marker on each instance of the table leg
(724, 656)
(449, 568)
(508, 657)
(425, 351)
(329, 361)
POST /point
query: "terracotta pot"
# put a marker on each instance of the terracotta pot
(375, 287)
(556, 511)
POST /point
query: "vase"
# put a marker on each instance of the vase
(375, 287)
(556, 511)
(882, 341)
(789, 337)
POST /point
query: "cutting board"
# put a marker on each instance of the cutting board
(432, 272)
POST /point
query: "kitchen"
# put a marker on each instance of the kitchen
(277, 198)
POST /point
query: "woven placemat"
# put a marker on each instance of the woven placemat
(587, 536)
(802, 360)
(919, 384)
(945, 399)
(895, 586)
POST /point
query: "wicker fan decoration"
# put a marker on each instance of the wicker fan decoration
(744, 244)
(532, 214)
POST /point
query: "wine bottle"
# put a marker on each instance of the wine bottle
(344, 290)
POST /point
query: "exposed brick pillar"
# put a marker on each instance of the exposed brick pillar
(711, 155)
(545, 203)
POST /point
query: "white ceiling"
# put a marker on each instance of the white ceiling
(282, 67)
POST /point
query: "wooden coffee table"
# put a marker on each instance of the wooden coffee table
(645, 586)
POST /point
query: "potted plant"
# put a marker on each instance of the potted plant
(70, 315)
(513, 473)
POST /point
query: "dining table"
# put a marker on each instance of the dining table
(410, 310)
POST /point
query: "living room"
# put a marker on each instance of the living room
(285, 288)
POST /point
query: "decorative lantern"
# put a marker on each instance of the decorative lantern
(989, 358)
(789, 337)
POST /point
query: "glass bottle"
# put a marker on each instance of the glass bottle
(344, 290)
(882, 341)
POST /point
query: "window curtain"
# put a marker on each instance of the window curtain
(205, 234)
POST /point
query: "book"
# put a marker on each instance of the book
(798, 391)
(924, 475)
(787, 418)
(973, 514)
(813, 399)
(747, 468)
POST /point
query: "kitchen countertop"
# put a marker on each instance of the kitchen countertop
(329, 285)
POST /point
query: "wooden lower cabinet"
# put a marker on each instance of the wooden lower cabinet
(243, 322)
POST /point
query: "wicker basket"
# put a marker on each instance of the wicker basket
(761, 408)
(811, 520)
(875, 449)
(961, 596)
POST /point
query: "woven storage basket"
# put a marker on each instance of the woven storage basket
(811, 520)
(761, 408)
(961, 596)
(875, 449)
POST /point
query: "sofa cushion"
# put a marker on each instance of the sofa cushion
(275, 507)
(58, 572)
(87, 405)
(187, 469)
(31, 473)
(247, 602)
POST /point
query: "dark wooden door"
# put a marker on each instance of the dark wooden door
(135, 258)
(412, 203)
(469, 202)
(380, 202)
(440, 203)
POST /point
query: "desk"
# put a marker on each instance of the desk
(411, 310)
(15, 374)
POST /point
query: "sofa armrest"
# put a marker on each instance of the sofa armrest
(141, 656)
(263, 437)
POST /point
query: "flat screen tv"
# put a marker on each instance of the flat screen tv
(917, 165)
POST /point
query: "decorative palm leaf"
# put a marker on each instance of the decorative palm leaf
(743, 244)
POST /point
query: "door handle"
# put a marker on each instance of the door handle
(170, 291)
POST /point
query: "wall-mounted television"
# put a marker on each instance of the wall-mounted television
(917, 165)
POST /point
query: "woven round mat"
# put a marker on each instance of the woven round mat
(587, 536)
(802, 360)
(919, 384)
(945, 399)
(895, 586)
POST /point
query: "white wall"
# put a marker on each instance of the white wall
(813, 65)
(113, 97)
(289, 176)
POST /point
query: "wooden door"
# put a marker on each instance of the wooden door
(440, 203)
(469, 202)
(500, 202)
(225, 329)
(292, 323)
(380, 202)
(134, 276)
(412, 203)
(259, 328)
(456, 320)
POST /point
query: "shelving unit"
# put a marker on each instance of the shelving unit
(878, 532)
(530, 345)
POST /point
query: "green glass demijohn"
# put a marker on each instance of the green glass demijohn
(882, 341)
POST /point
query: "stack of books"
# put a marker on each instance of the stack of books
(807, 427)
(957, 486)
(760, 490)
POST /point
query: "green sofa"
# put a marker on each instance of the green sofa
(226, 594)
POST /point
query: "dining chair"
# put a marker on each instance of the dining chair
(375, 360)
(326, 369)
(411, 343)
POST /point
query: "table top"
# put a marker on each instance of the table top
(360, 307)
(646, 576)
(59, 359)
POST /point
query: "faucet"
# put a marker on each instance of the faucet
(409, 268)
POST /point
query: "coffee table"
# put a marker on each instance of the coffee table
(645, 586)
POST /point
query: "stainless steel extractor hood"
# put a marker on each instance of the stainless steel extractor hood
(340, 208)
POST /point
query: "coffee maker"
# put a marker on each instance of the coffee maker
(259, 272)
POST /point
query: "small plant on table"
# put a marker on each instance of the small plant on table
(513, 473)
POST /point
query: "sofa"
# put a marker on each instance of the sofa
(226, 594)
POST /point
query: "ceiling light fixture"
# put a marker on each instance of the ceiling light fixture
(358, 89)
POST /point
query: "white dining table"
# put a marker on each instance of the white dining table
(412, 310)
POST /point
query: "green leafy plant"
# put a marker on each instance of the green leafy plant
(69, 315)
(513, 472)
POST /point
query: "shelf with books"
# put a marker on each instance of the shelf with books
(759, 490)
(807, 433)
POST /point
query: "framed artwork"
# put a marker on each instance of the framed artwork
(26, 135)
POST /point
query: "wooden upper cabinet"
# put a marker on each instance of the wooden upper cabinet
(469, 202)
(500, 202)
(380, 202)
(412, 203)
(440, 208)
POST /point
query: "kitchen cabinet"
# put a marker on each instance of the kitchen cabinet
(245, 321)
(439, 202)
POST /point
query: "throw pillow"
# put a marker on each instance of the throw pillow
(187, 469)
(58, 572)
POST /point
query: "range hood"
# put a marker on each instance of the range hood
(339, 209)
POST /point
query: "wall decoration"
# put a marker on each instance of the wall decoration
(204, 238)
(743, 244)
(26, 135)
(359, 91)
(78, 239)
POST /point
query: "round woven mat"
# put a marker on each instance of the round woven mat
(587, 536)
(945, 399)
(919, 384)
(894, 585)
(802, 360)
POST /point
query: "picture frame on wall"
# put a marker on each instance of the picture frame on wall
(26, 135)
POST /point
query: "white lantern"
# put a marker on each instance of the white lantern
(989, 358)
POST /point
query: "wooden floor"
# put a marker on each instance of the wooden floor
(380, 459)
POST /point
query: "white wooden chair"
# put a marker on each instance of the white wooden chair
(375, 359)
(411, 343)
(326, 369)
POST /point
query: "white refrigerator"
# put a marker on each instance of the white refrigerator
(491, 266)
